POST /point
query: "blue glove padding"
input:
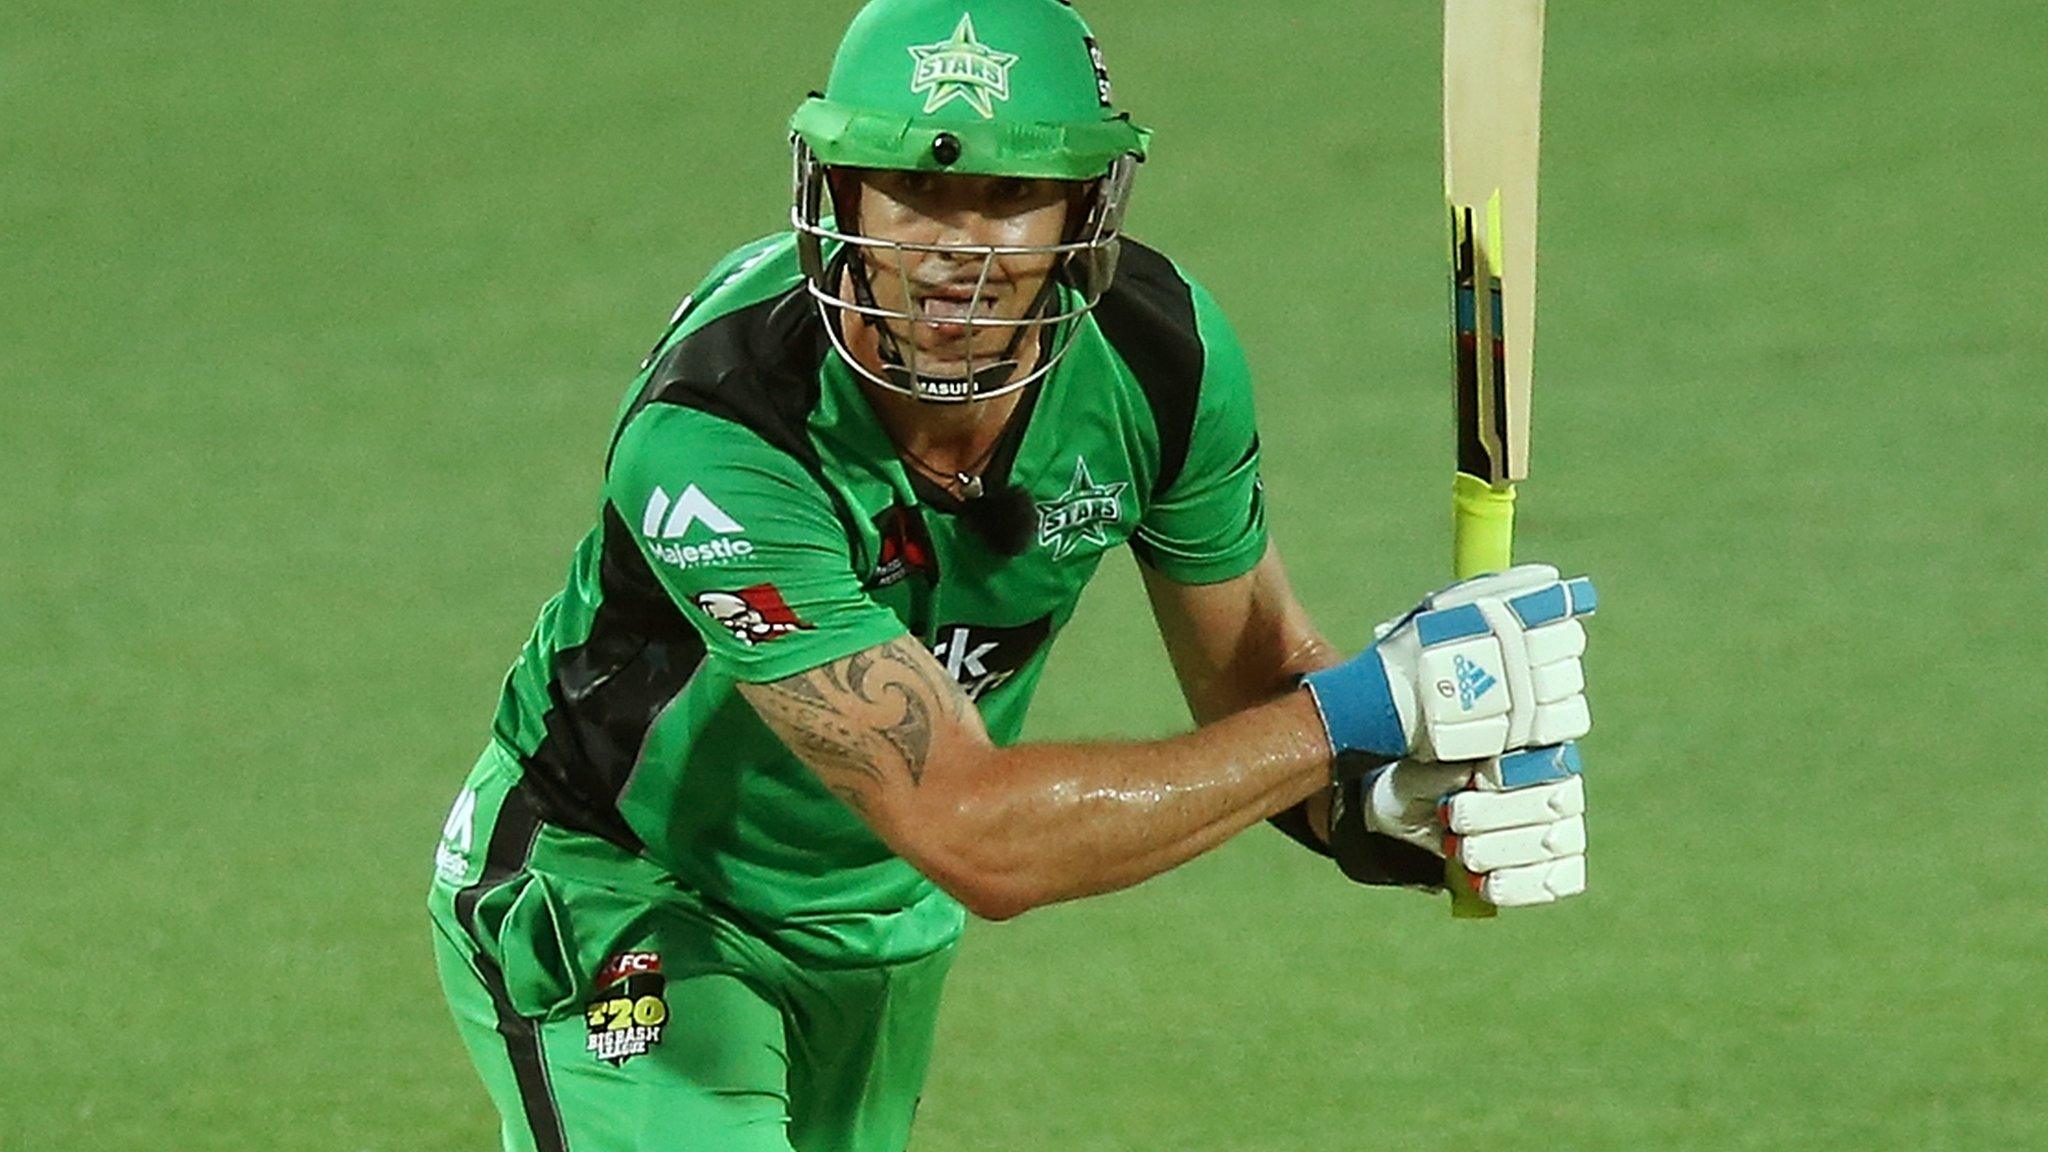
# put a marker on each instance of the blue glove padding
(1356, 699)
(1482, 667)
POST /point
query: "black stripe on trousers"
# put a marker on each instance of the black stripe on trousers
(511, 845)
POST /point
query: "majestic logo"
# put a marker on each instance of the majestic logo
(906, 548)
(754, 615)
(1080, 512)
(626, 1013)
(458, 835)
(982, 659)
(667, 521)
(1473, 682)
(961, 68)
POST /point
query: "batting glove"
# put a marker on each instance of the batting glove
(1485, 666)
(1516, 822)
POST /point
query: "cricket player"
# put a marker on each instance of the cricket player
(759, 761)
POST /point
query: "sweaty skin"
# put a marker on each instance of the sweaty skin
(923, 208)
(889, 732)
(993, 211)
(1005, 830)
(1240, 643)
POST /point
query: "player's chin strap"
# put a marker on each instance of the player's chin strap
(982, 380)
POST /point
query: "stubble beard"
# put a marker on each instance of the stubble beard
(942, 354)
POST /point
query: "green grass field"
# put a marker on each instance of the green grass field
(312, 322)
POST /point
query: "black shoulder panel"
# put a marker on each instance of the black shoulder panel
(755, 366)
(1148, 315)
(608, 691)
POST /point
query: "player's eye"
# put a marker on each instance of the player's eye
(916, 183)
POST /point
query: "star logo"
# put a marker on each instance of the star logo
(961, 67)
(1080, 513)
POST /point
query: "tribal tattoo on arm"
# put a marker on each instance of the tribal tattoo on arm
(870, 722)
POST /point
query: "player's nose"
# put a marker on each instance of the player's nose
(964, 226)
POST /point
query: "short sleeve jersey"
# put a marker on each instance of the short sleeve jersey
(757, 522)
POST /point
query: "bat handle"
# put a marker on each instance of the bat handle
(1482, 526)
(1482, 540)
(1466, 904)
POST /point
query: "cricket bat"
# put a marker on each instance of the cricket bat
(1493, 91)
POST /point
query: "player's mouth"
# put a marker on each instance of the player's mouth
(946, 311)
(958, 304)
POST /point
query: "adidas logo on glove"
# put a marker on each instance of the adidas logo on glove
(1473, 682)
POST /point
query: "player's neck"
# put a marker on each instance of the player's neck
(947, 438)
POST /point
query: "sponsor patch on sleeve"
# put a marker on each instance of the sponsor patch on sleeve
(692, 531)
(754, 615)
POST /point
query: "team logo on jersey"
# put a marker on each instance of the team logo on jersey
(982, 658)
(1080, 513)
(625, 1015)
(906, 548)
(715, 538)
(754, 615)
(962, 68)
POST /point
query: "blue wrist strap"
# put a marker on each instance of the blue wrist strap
(1357, 706)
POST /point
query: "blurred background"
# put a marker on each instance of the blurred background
(313, 319)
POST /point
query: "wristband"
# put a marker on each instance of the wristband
(1356, 704)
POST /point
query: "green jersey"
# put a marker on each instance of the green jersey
(757, 522)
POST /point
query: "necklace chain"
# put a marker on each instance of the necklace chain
(968, 482)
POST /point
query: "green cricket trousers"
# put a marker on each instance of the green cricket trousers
(610, 1014)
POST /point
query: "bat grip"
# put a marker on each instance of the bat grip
(1482, 540)
(1482, 526)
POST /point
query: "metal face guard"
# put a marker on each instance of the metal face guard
(1083, 269)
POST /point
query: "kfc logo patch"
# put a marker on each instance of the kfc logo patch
(753, 615)
(626, 1013)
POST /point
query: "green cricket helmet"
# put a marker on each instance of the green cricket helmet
(973, 87)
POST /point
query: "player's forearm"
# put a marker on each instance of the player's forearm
(1007, 829)
(1267, 672)
(1237, 644)
(1258, 677)
(1265, 668)
(1040, 823)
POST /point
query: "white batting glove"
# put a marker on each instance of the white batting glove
(1516, 822)
(1485, 666)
